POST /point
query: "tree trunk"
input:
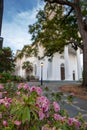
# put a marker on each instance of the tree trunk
(85, 60)
(83, 33)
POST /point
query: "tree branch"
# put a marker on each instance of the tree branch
(75, 44)
(62, 2)
(67, 14)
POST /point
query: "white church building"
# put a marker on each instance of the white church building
(65, 66)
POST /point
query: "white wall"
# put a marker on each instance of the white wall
(51, 69)
(73, 65)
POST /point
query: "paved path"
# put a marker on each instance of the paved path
(78, 106)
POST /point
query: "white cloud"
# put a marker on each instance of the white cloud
(16, 33)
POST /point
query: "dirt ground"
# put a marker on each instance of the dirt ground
(78, 91)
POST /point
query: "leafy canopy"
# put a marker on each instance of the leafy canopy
(55, 28)
(27, 51)
(27, 65)
(6, 60)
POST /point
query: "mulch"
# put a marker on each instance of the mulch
(78, 91)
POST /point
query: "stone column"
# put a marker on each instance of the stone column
(68, 75)
(79, 64)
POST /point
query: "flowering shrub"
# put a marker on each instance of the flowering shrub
(31, 110)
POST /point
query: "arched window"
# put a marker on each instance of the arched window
(62, 70)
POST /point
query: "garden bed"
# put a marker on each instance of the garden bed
(78, 91)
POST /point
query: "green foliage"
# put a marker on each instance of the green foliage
(25, 111)
(53, 31)
(10, 88)
(27, 65)
(30, 77)
(6, 60)
(17, 79)
(70, 99)
(5, 77)
(27, 51)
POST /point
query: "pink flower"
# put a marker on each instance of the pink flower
(17, 122)
(7, 105)
(38, 90)
(20, 86)
(43, 103)
(1, 86)
(44, 128)
(54, 128)
(41, 115)
(6, 101)
(18, 92)
(63, 119)
(33, 88)
(77, 123)
(57, 117)
(26, 87)
(9, 100)
(56, 106)
(5, 92)
(1, 101)
(47, 115)
(5, 123)
(70, 121)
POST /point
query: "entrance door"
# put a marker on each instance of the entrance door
(62, 68)
(73, 75)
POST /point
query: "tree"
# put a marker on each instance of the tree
(74, 15)
(57, 31)
(28, 67)
(27, 51)
(78, 6)
(6, 60)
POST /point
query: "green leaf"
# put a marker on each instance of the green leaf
(35, 115)
(33, 128)
(25, 115)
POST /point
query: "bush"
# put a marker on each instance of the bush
(8, 77)
(30, 77)
(30, 110)
(5, 77)
(17, 78)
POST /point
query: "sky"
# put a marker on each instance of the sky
(17, 16)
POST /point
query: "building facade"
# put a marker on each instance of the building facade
(65, 66)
